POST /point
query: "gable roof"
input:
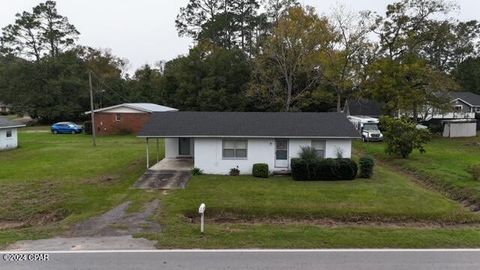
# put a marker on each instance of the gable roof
(469, 97)
(5, 123)
(363, 107)
(143, 107)
(249, 124)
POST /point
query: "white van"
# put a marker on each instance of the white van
(368, 127)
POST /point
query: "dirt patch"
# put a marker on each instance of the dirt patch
(11, 225)
(84, 243)
(331, 223)
(104, 179)
(117, 222)
(38, 203)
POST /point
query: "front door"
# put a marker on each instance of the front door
(184, 147)
(281, 153)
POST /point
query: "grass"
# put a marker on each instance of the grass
(247, 212)
(444, 165)
(386, 197)
(54, 181)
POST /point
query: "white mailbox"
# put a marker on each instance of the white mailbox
(201, 209)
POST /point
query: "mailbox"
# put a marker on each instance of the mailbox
(201, 209)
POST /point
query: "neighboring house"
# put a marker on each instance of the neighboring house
(125, 118)
(466, 101)
(4, 108)
(8, 134)
(464, 106)
(363, 107)
(219, 141)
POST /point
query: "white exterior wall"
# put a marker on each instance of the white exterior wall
(8, 143)
(208, 153)
(171, 147)
(333, 147)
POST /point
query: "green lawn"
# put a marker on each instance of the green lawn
(444, 165)
(54, 181)
(246, 212)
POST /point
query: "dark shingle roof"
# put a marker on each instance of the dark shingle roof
(4, 123)
(363, 107)
(469, 97)
(248, 124)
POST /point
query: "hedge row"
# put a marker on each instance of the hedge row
(324, 169)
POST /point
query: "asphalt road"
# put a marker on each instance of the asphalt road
(250, 259)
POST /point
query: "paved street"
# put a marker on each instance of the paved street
(238, 259)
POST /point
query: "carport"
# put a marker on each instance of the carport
(165, 174)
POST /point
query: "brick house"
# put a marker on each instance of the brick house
(125, 118)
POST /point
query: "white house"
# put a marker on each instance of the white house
(219, 141)
(8, 134)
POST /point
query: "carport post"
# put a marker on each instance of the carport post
(158, 152)
(148, 156)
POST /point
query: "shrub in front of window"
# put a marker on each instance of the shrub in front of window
(235, 171)
(260, 170)
(366, 164)
(308, 154)
(197, 171)
(323, 170)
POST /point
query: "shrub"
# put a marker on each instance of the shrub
(475, 172)
(344, 169)
(260, 170)
(324, 169)
(235, 171)
(300, 170)
(197, 171)
(308, 154)
(402, 136)
(87, 127)
(366, 167)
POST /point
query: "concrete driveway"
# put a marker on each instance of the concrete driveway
(167, 174)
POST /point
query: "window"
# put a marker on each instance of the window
(478, 109)
(235, 149)
(458, 108)
(118, 117)
(319, 146)
(9, 133)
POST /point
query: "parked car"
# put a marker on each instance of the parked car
(66, 128)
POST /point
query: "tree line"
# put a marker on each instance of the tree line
(250, 55)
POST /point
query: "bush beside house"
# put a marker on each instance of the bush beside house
(366, 167)
(324, 169)
(260, 170)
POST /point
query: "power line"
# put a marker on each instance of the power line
(108, 88)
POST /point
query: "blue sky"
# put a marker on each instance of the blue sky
(143, 31)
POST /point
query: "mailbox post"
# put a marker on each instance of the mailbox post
(201, 211)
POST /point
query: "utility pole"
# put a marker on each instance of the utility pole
(92, 113)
